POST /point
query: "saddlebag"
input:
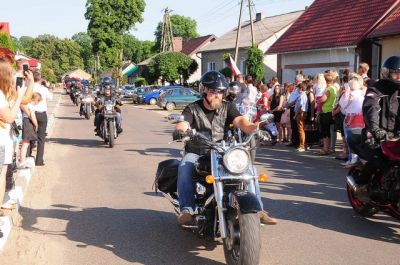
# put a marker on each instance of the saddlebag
(167, 176)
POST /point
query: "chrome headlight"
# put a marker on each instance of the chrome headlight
(109, 107)
(237, 161)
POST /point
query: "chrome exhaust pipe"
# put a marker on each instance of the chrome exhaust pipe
(351, 182)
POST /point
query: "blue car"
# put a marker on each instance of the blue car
(151, 98)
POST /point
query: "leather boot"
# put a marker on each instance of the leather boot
(266, 219)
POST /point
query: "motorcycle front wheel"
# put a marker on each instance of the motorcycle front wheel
(111, 134)
(88, 111)
(361, 208)
(242, 246)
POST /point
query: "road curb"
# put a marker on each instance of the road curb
(22, 182)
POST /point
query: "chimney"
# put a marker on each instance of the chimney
(258, 17)
(178, 44)
(5, 28)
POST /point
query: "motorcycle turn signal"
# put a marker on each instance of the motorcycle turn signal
(263, 177)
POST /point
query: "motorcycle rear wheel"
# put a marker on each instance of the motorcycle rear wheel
(244, 247)
(111, 134)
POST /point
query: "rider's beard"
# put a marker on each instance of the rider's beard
(215, 103)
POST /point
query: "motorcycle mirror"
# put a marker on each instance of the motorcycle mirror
(175, 118)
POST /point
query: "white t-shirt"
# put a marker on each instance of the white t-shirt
(5, 129)
(252, 93)
(46, 95)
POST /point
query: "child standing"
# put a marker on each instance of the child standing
(29, 128)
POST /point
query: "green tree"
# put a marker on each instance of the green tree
(57, 56)
(136, 50)
(184, 27)
(108, 21)
(172, 66)
(255, 63)
(17, 45)
(84, 40)
(26, 42)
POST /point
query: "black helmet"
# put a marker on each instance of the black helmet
(213, 80)
(107, 81)
(234, 88)
(391, 65)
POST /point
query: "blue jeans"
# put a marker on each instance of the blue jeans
(186, 187)
(186, 173)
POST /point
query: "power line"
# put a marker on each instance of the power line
(217, 8)
(219, 12)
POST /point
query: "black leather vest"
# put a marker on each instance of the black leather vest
(214, 130)
(390, 106)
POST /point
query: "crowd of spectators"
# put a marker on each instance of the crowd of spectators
(313, 110)
(23, 122)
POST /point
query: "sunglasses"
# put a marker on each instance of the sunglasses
(216, 91)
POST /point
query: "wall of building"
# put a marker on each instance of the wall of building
(390, 46)
(313, 62)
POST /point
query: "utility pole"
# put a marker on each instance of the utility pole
(238, 32)
(253, 42)
(166, 43)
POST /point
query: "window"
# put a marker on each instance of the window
(211, 66)
(175, 92)
(243, 67)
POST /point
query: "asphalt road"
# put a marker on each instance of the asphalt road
(95, 205)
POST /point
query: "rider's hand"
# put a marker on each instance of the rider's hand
(178, 135)
(379, 134)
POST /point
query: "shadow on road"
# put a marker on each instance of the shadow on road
(86, 143)
(135, 235)
(71, 118)
(313, 192)
(172, 152)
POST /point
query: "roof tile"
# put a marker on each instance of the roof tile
(193, 45)
(389, 27)
(332, 23)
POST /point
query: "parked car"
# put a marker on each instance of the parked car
(127, 91)
(151, 98)
(140, 91)
(177, 98)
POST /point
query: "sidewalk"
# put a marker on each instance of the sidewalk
(24, 176)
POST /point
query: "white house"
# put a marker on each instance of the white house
(266, 31)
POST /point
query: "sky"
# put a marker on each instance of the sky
(64, 18)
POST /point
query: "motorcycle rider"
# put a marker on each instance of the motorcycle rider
(381, 114)
(100, 105)
(85, 91)
(210, 116)
(234, 90)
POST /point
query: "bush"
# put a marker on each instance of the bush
(255, 63)
(140, 81)
(227, 72)
(5, 41)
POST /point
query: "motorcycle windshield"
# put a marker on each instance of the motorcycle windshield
(391, 149)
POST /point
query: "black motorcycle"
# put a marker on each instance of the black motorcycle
(87, 102)
(108, 128)
(226, 202)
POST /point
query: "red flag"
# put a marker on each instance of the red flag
(232, 65)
